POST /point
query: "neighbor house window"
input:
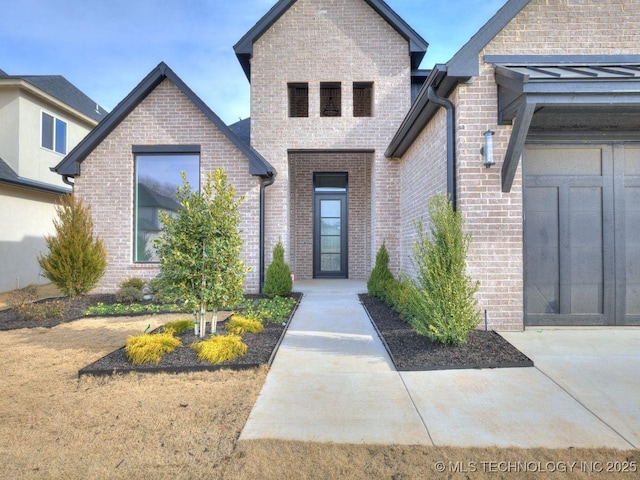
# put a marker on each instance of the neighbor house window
(298, 99)
(330, 100)
(362, 99)
(54, 134)
(157, 176)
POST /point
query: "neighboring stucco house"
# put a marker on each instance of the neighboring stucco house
(348, 140)
(41, 119)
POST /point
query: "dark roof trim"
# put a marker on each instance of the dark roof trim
(159, 149)
(465, 63)
(9, 177)
(244, 48)
(444, 78)
(524, 88)
(70, 165)
(422, 110)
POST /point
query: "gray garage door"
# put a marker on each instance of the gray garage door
(582, 234)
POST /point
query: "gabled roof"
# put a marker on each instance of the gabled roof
(445, 77)
(8, 176)
(70, 165)
(60, 88)
(244, 47)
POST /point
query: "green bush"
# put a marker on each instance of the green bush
(220, 348)
(273, 310)
(239, 325)
(76, 261)
(200, 247)
(380, 274)
(150, 347)
(129, 294)
(278, 280)
(134, 282)
(397, 295)
(442, 302)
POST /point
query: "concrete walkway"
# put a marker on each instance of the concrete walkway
(332, 381)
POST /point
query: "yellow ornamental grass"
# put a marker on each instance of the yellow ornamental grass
(179, 326)
(220, 348)
(238, 324)
(150, 347)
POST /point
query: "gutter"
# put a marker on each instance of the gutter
(267, 183)
(451, 142)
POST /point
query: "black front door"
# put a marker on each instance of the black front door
(330, 246)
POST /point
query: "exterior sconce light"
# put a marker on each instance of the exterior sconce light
(487, 150)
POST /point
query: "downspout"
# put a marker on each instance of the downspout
(451, 143)
(263, 185)
(65, 179)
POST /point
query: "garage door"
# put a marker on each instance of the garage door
(582, 234)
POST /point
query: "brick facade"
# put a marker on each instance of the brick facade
(165, 117)
(317, 41)
(302, 166)
(543, 27)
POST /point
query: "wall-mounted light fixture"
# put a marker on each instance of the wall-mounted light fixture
(487, 150)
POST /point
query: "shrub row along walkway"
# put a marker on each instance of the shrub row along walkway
(333, 381)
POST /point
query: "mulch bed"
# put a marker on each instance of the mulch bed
(10, 320)
(410, 351)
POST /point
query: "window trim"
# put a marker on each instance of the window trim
(54, 133)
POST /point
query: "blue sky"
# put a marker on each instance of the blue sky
(105, 47)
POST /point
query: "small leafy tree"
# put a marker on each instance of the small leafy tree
(278, 280)
(76, 261)
(380, 275)
(200, 247)
(442, 300)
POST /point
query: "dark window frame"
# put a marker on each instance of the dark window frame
(155, 151)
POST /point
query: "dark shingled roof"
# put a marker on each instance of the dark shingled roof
(8, 176)
(60, 88)
(243, 130)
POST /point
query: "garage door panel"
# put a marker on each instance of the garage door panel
(632, 250)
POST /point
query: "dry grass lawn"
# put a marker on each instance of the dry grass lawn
(54, 425)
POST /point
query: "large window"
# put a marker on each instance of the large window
(298, 99)
(54, 134)
(157, 176)
(330, 100)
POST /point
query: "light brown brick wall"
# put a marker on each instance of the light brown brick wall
(302, 167)
(331, 41)
(543, 27)
(106, 183)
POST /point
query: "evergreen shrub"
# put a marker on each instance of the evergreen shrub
(76, 261)
(129, 294)
(380, 275)
(278, 280)
(442, 301)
